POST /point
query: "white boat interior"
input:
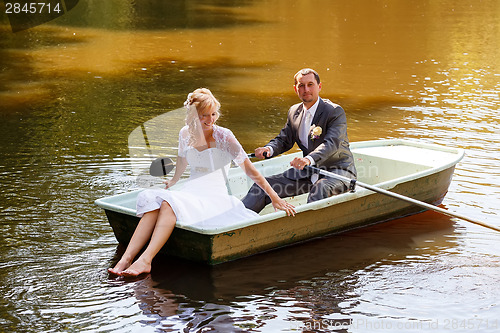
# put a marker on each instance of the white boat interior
(384, 163)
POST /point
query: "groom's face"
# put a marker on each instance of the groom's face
(307, 89)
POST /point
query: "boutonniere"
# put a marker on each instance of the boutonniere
(316, 132)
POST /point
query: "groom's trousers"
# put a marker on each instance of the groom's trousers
(256, 199)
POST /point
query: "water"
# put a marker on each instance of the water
(73, 90)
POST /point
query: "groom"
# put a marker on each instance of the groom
(319, 128)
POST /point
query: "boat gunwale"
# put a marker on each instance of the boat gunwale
(360, 192)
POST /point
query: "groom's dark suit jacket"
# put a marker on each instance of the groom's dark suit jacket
(330, 151)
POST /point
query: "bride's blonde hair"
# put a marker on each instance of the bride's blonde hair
(196, 102)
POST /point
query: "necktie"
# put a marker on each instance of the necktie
(304, 128)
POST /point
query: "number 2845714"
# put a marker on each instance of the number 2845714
(32, 8)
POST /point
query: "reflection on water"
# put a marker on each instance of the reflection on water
(71, 93)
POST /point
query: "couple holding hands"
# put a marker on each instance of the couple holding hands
(318, 126)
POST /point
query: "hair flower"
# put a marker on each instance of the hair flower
(316, 132)
(188, 101)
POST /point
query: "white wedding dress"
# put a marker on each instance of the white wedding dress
(203, 200)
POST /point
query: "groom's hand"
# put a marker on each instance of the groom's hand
(300, 163)
(259, 152)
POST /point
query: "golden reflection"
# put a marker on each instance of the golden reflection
(367, 50)
(372, 55)
(32, 93)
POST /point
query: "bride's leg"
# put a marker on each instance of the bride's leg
(140, 237)
(164, 226)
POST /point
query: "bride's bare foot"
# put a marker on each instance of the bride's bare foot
(139, 267)
(119, 267)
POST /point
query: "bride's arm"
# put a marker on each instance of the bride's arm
(232, 146)
(180, 167)
(256, 176)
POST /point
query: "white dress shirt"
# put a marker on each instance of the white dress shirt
(305, 124)
(305, 131)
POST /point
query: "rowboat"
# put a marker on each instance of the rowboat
(417, 170)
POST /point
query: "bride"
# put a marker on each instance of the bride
(208, 149)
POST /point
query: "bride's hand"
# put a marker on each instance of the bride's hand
(169, 183)
(283, 205)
